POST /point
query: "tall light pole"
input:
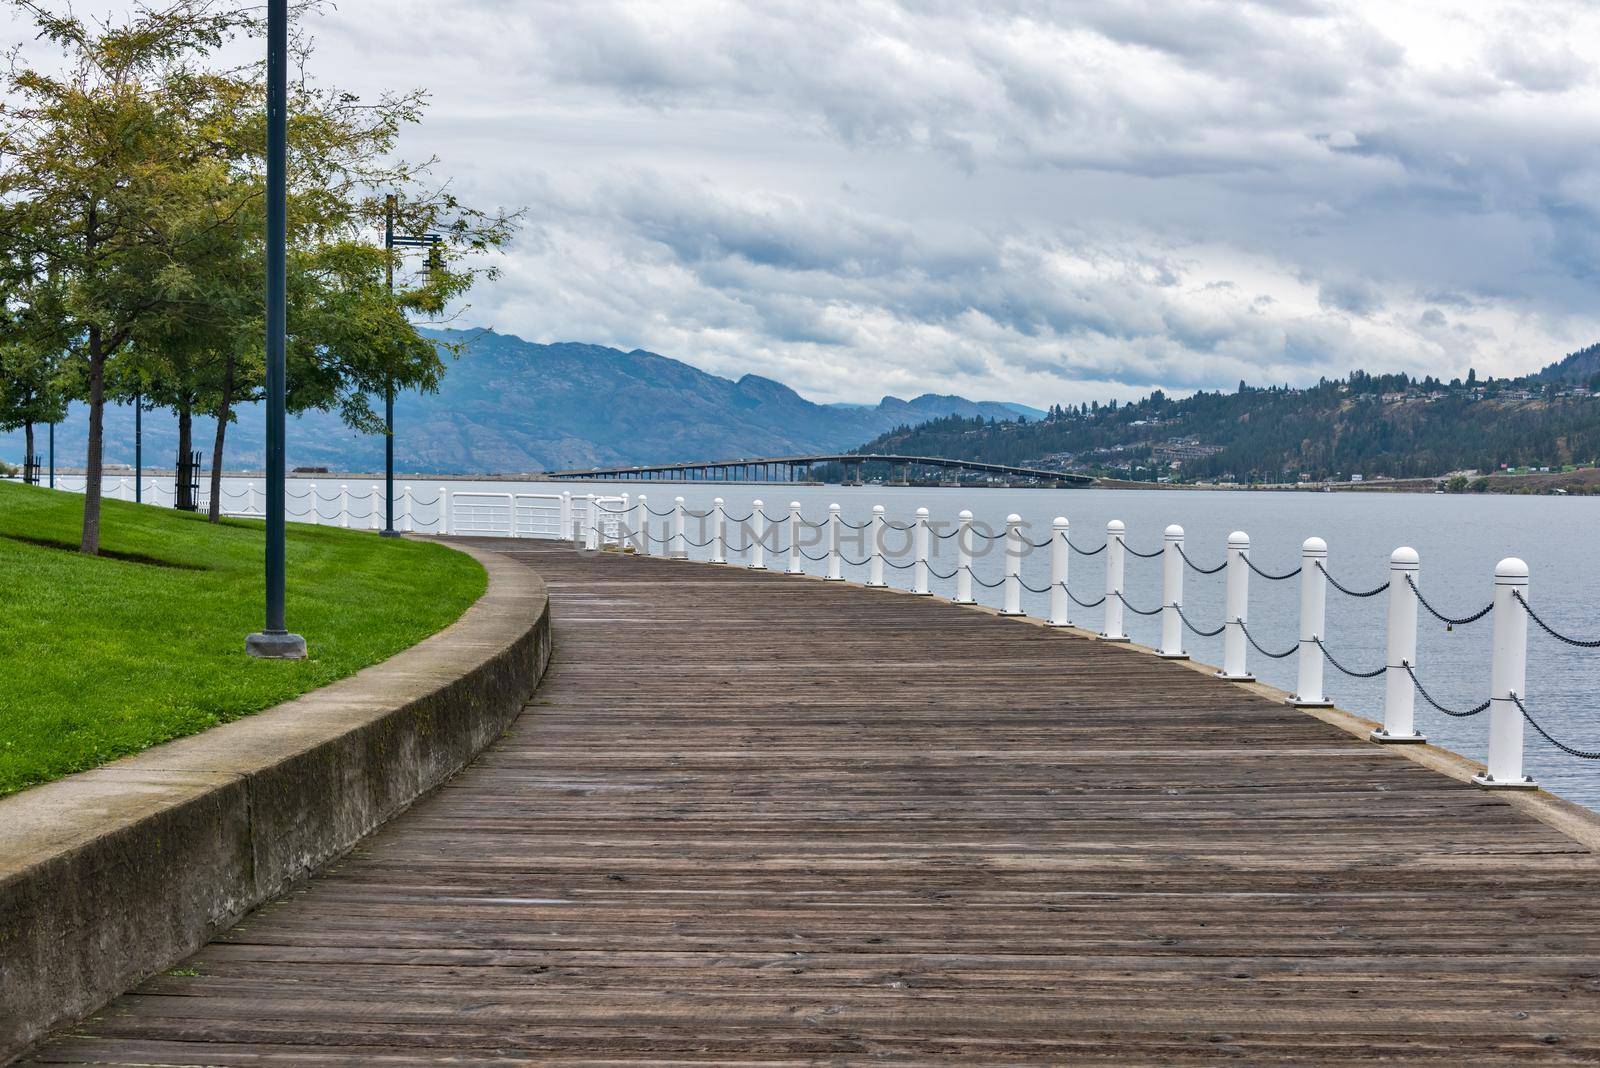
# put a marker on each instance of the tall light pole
(390, 243)
(274, 641)
(138, 447)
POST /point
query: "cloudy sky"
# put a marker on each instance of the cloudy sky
(1019, 199)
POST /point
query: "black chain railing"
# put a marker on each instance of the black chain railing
(1449, 621)
(1428, 697)
(1046, 588)
(1130, 606)
(990, 585)
(1197, 630)
(1581, 754)
(1346, 590)
(1197, 567)
(1075, 547)
(1579, 643)
(941, 575)
(1085, 604)
(1267, 574)
(1345, 670)
(1251, 638)
(1140, 555)
(808, 556)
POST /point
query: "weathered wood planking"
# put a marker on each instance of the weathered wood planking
(753, 819)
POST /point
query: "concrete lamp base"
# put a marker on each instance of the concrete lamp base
(388, 533)
(279, 646)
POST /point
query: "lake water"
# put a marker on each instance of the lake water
(1459, 539)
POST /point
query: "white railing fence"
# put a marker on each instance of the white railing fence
(744, 539)
(635, 525)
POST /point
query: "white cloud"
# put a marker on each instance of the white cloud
(1022, 198)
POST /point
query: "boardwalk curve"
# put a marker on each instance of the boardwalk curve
(764, 820)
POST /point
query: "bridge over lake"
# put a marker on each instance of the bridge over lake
(798, 468)
(758, 818)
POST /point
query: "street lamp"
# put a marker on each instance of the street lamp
(390, 243)
(274, 641)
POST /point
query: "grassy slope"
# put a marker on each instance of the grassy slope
(102, 657)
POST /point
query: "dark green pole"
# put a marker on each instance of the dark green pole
(275, 641)
(388, 395)
(138, 448)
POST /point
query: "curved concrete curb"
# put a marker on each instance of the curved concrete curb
(111, 875)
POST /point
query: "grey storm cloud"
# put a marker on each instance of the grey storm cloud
(1034, 199)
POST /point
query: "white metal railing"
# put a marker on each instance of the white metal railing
(597, 522)
(669, 533)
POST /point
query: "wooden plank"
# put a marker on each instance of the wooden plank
(751, 819)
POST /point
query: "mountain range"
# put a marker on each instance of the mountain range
(509, 405)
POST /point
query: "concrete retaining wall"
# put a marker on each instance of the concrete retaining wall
(115, 874)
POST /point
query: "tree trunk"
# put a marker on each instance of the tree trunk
(224, 408)
(27, 448)
(97, 410)
(182, 495)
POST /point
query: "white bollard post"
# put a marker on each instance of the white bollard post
(1060, 606)
(834, 574)
(344, 504)
(680, 550)
(313, 504)
(1012, 593)
(1172, 594)
(622, 516)
(875, 548)
(1116, 562)
(444, 512)
(758, 536)
(642, 531)
(250, 500)
(591, 525)
(964, 557)
(374, 511)
(719, 535)
(122, 490)
(1313, 624)
(795, 566)
(1236, 615)
(408, 522)
(1508, 675)
(1399, 695)
(919, 564)
(565, 526)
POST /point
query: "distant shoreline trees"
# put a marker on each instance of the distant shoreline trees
(132, 175)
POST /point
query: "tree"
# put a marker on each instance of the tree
(92, 171)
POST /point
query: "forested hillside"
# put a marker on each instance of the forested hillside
(1368, 425)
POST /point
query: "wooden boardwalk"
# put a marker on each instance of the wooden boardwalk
(752, 819)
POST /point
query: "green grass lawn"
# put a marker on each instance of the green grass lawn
(100, 657)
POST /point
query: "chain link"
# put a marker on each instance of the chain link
(1087, 552)
(1440, 616)
(1347, 671)
(1347, 590)
(1197, 567)
(1581, 754)
(1576, 642)
(1130, 606)
(1426, 696)
(1140, 555)
(1267, 575)
(1085, 604)
(1197, 630)
(1295, 648)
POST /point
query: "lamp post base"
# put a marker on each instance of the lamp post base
(388, 533)
(279, 646)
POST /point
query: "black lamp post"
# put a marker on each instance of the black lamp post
(390, 243)
(138, 448)
(274, 641)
